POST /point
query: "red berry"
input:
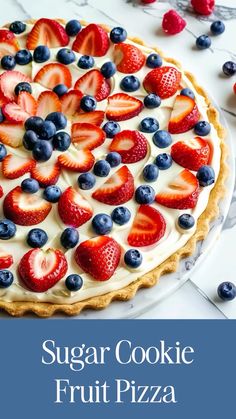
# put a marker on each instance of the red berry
(234, 87)
(148, 1)
(203, 7)
(173, 23)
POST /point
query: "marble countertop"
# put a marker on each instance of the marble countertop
(197, 297)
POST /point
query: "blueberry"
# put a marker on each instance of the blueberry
(41, 54)
(102, 224)
(229, 68)
(111, 128)
(74, 282)
(121, 215)
(144, 194)
(108, 69)
(149, 125)
(8, 62)
(152, 101)
(130, 84)
(113, 158)
(58, 119)
(154, 60)
(6, 278)
(23, 57)
(3, 152)
(37, 238)
(86, 62)
(48, 130)
(162, 139)
(150, 173)
(30, 185)
(203, 42)
(226, 291)
(88, 103)
(17, 27)
(118, 35)
(206, 175)
(7, 229)
(73, 27)
(23, 87)
(101, 168)
(202, 128)
(2, 117)
(186, 221)
(217, 27)
(69, 238)
(61, 141)
(133, 258)
(66, 56)
(163, 161)
(42, 151)
(30, 139)
(60, 89)
(52, 193)
(86, 181)
(34, 123)
(187, 92)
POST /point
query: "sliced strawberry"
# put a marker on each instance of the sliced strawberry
(191, 154)
(27, 102)
(8, 82)
(99, 257)
(6, 260)
(181, 193)
(15, 166)
(164, 81)
(8, 43)
(14, 113)
(122, 107)
(128, 58)
(1, 192)
(149, 227)
(77, 161)
(46, 175)
(73, 209)
(184, 116)
(48, 102)
(94, 117)
(3, 99)
(53, 74)
(47, 32)
(12, 133)
(131, 145)
(25, 209)
(118, 189)
(70, 102)
(41, 269)
(87, 136)
(93, 83)
(92, 40)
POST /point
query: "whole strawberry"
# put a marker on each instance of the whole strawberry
(173, 23)
(203, 7)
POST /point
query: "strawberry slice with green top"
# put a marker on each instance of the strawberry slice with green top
(181, 193)
(74, 210)
(48, 102)
(6, 260)
(148, 228)
(53, 74)
(128, 58)
(8, 43)
(92, 40)
(99, 257)
(14, 166)
(122, 107)
(86, 136)
(94, 117)
(46, 175)
(8, 82)
(191, 154)
(47, 32)
(70, 102)
(164, 81)
(94, 84)
(12, 133)
(131, 145)
(118, 189)
(76, 160)
(41, 269)
(184, 116)
(25, 209)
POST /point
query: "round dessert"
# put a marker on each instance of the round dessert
(112, 166)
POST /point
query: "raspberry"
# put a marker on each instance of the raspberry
(234, 87)
(173, 23)
(203, 7)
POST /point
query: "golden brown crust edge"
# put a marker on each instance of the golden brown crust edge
(151, 278)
